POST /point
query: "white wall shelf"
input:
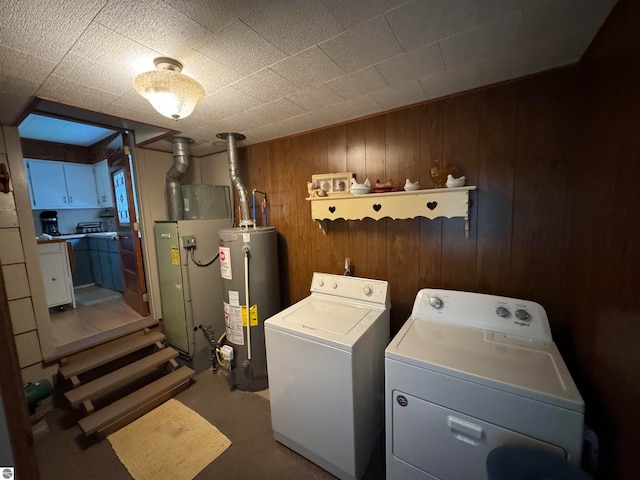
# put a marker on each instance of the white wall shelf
(432, 203)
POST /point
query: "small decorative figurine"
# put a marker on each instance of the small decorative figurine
(383, 187)
(455, 182)
(360, 188)
(315, 192)
(409, 185)
(439, 175)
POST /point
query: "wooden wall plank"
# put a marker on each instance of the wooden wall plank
(461, 146)
(496, 176)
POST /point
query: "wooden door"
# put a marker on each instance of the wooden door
(127, 226)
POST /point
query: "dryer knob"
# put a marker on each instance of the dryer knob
(436, 302)
(321, 283)
(367, 290)
(522, 315)
(334, 285)
(503, 312)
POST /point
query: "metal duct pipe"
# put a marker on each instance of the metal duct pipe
(180, 147)
(232, 150)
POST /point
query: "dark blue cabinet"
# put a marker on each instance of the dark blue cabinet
(82, 273)
(105, 257)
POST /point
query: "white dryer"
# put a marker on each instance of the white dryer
(470, 372)
(325, 360)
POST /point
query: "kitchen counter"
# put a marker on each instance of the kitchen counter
(88, 235)
(52, 240)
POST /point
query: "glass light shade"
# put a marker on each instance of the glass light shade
(172, 94)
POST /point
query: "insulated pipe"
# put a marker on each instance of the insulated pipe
(232, 151)
(180, 147)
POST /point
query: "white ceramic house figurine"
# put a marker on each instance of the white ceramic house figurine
(455, 182)
(410, 186)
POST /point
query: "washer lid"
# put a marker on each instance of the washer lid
(335, 323)
(525, 367)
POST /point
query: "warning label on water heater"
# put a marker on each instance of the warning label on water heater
(225, 262)
(233, 324)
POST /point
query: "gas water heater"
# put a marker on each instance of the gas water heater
(249, 270)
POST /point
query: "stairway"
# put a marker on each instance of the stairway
(118, 381)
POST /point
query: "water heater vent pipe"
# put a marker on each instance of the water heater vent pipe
(180, 148)
(232, 151)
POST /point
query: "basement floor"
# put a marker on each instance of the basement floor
(63, 453)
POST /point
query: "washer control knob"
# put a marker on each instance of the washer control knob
(334, 285)
(523, 315)
(321, 283)
(503, 312)
(367, 290)
(436, 302)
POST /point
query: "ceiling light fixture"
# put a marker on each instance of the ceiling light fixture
(172, 93)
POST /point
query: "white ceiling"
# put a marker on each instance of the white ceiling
(273, 68)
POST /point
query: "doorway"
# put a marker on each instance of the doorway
(103, 311)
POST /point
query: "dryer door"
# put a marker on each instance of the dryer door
(447, 444)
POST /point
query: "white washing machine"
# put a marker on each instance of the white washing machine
(325, 360)
(470, 372)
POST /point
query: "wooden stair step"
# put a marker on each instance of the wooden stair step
(120, 377)
(123, 411)
(107, 352)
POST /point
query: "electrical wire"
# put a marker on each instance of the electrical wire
(203, 264)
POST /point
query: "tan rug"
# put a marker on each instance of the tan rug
(171, 441)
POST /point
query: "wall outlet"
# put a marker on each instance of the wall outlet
(189, 241)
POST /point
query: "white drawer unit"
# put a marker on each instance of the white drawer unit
(56, 274)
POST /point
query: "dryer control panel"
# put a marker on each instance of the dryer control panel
(354, 288)
(509, 316)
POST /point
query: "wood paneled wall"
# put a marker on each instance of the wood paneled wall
(512, 141)
(556, 159)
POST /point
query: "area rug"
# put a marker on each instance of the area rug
(93, 295)
(171, 441)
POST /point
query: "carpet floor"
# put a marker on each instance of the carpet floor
(63, 453)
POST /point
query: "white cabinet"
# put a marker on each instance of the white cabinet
(59, 185)
(56, 273)
(103, 184)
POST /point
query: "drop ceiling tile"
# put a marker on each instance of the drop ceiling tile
(358, 83)
(228, 101)
(315, 97)
(211, 74)
(422, 22)
(60, 90)
(18, 86)
(214, 15)
(357, 107)
(240, 48)
(355, 12)
(313, 24)
(553, 18)
(412, 65)
(81, 70)
(102, 45)
(307, 68)
(492, 9)
(154, 24)
(399, 96)
(364, 45)
(21, 65)
(266, 114)
(486, 40)
(265, 85)
(45, 29)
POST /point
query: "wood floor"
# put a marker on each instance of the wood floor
(76, 328)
